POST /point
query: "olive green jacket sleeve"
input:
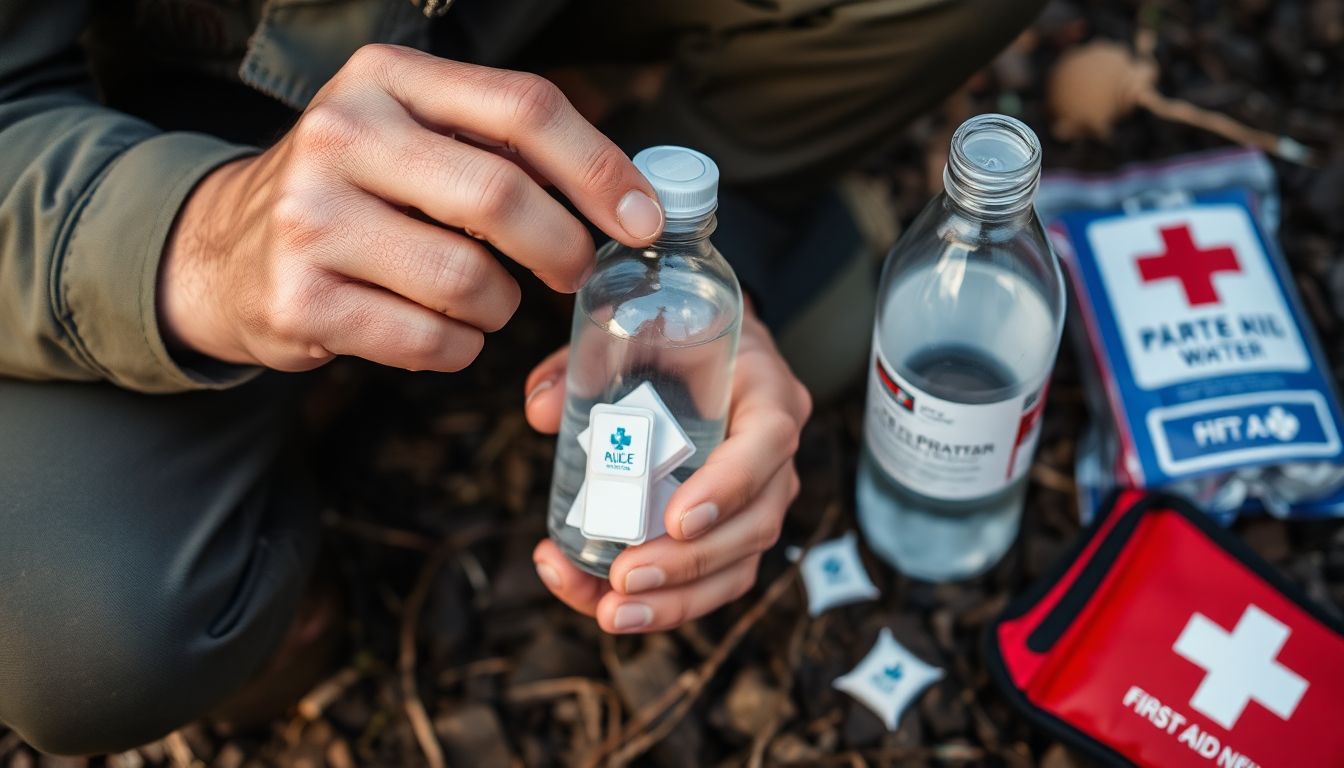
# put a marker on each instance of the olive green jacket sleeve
(87, 199)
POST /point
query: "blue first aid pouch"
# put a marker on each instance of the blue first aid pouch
(1203, 374)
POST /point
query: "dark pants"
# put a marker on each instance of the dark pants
(152, 553)
(153, 550)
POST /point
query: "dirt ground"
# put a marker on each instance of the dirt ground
(436, 493)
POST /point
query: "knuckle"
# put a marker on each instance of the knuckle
(510, 306)
(327, 128)
(289, 308)
(421, 345)
(783, 431)
(499, 188)
(698, 563)
(465, 352)
(767, 536)
(804, 403)
(299, 219)
(534, 102)
(604, 172)
(454, 274)
(375, 58)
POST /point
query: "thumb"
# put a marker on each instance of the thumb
(545, 392)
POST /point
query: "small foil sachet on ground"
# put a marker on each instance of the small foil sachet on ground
(833, 575)
(889, 679)
(1203, 373)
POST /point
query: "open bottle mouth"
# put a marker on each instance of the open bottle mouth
(994, 166)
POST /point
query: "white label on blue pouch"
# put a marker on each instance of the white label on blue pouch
(1194, 296)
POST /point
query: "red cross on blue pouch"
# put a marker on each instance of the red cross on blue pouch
(1182, 260)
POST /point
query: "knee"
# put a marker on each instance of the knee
(118, 667)
(105, 679)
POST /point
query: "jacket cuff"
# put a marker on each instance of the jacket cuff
(108, 277)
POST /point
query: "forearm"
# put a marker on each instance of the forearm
(90, 196)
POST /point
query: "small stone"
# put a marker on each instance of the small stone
(888, 679)
(751, 703)
(790, 748)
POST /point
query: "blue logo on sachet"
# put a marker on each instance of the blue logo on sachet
(619, 439)
(886, 680)
(834, 569)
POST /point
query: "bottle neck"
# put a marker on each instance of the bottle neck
(993, 168)
(682, 232)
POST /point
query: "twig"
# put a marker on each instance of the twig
(587, 692)
(1049, 477)
(682, 694)
(495, 665)
(380, 534)
(410, 620)
(316, 701)
(1216, 122)
(179, 750)
(553, 688)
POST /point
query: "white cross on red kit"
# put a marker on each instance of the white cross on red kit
(1240, 666)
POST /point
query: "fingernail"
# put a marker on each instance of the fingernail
(697, 519)
(644, 578)
(639, 215)
(548, 575)
(537, 389)
(632, 616)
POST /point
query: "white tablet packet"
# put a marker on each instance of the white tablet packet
(656, 526)
(670, 448)
(618, 475)
(833, 574)
(889, 679)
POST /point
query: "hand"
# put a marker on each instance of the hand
(358, 232)
(719, 521)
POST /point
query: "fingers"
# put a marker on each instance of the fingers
(667, 608)
(666, 562)
(544, 398)
(769, 408)
(480, 192)
(376, 325)
(578, 590)
(529, 115)
(440, 270)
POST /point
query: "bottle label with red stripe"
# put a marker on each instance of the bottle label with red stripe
(943, 449)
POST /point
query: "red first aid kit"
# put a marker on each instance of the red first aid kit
(1164, 640)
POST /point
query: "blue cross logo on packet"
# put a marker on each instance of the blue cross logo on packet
(619, 439)
(1205, 355)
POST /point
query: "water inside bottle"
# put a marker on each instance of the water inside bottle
(986, 349)
(661, 319)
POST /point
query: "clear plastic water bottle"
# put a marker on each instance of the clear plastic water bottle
(670, 315)
(970, 310)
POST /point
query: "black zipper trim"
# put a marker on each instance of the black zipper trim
(1044, 636)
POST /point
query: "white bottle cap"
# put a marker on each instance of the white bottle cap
(687, 182)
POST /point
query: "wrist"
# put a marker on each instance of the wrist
(191, 268)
